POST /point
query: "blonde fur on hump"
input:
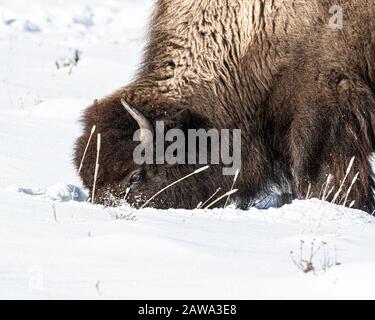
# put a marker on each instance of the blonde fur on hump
(194, 40)
(197, 42)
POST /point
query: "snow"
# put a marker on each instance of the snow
(52, 247)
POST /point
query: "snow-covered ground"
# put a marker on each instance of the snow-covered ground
(51, 247)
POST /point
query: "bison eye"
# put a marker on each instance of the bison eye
(137, 177)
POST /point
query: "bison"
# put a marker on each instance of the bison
(299, 85)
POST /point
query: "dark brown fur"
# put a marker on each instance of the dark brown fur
(302, 93)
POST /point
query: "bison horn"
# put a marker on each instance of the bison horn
(144, 124)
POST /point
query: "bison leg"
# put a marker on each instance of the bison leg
(330, 129)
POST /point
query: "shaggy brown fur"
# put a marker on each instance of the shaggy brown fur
(302, 93)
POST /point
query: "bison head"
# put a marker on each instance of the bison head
(120, 178)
